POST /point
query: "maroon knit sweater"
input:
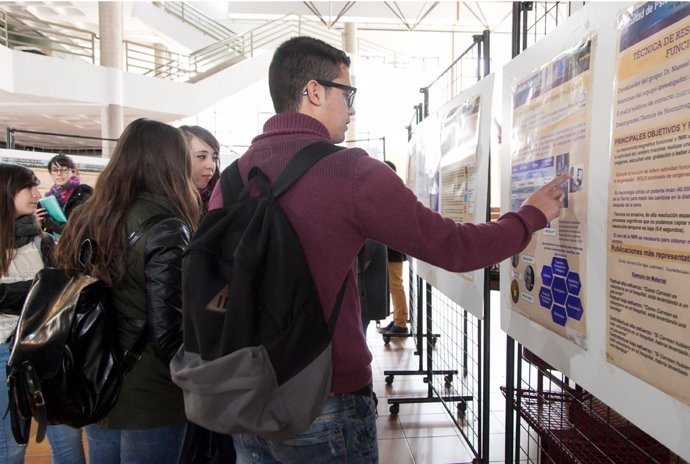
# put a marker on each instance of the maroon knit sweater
(348, 197)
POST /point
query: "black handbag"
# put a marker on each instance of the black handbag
(66, 365)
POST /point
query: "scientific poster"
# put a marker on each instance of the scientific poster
(459, 136)
(463, 138)
(648, 266)
(550, 136)
(423, 163)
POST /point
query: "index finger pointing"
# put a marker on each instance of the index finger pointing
(558, 180)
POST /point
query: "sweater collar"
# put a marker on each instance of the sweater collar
(291, 123)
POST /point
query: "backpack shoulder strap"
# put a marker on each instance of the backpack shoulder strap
(143, 228)
(300, 164)
(231, 184)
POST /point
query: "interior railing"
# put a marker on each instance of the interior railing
(28, 33)
(195, 18)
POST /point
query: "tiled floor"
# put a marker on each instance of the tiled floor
(424, 433)
(421, 433)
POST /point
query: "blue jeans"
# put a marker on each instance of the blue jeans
(10, 451)
(66, 445)
(161, 445)
(345, 431)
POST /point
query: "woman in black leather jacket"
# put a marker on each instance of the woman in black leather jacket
(149, 174)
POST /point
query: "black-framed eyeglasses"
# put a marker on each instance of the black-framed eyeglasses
(350, 92)
(60, 170)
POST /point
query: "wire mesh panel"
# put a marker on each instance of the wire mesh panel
(559, 422)
(457, 350)
(534, 20)
(465, 71)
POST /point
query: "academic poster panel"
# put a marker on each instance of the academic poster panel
(648, 266)
(90, 167)
(423, 162)
(465, 126)
(550, 136)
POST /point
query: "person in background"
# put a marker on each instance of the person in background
(205, 154)
(395, 282)
(372, 282)
(343, 200)
(24, 250)
(67, 190)
(202, 446)
(149, 174)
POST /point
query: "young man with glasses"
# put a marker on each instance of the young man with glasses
(344, 199)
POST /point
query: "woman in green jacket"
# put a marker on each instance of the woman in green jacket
(149, 174)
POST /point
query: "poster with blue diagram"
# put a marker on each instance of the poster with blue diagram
(550, 136)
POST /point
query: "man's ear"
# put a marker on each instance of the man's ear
(314, 93)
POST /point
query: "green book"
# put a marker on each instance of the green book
(53, 208)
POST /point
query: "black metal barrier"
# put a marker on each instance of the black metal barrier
(452, 343)
(50, 142)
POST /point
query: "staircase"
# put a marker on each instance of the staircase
(28, 33)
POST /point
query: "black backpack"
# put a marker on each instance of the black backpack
(66, 365)
(256, 357)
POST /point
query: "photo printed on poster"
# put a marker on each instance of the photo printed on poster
(551, 136)
(648, 235)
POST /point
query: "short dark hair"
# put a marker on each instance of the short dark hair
(391, 165)
(295, 63)
(61, 160)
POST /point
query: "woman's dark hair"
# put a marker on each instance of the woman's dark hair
(150, 156)
(391, 165)
(13, 178)
(207, 137)
(61, 160)
(296, 62)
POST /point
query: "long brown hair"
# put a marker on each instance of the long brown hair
(13, 178)
(150, 156)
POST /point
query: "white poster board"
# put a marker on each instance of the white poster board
(662, 416)
(463, 173)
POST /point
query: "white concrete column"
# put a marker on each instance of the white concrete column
(110, 28)
(350, 47)
(161, 58)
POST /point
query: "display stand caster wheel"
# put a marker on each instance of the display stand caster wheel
(386, 339)
(389, 379)
(448, 379)
(432, 341)
(394, 409)
(462, 407)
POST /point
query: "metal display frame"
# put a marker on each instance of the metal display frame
(456, 374)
